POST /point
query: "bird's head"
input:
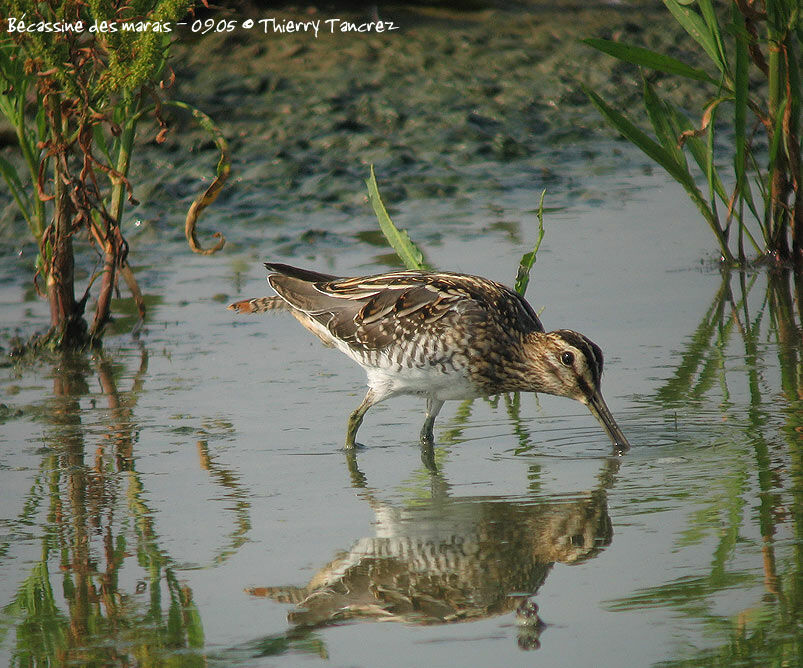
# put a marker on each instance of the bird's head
(568, 364)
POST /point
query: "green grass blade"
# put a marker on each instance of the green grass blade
(710, 17)
(646, 58)
(17, 190)
(398, 239)
(528, 259)
(641, 139)
(693, 24)
(100, 142)
(710, 170)
(740, 95)
(700, 151)
(665, 159)
(765, 183)
(740, 118)
(41, 119)
(661, 120)
(747, 194)
(777, 132)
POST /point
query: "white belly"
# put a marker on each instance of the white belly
(425, 381)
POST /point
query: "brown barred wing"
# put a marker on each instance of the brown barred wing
(374, 312)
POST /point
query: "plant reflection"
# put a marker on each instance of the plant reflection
(440, 559)
(95, 518)
(512, 402)
(765, 465)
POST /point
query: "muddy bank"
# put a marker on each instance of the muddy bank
(448, 102)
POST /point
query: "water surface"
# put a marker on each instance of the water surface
(182, 497)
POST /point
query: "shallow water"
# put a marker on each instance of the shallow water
(177, 486)
(183, 498)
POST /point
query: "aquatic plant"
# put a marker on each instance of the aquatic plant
(755, 50)
(407, 250)
(413, 257)
(77, 79)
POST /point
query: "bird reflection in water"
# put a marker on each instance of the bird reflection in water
(447, 559)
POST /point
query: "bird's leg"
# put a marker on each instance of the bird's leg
(428, 458)
(355, 419)
(433, 408)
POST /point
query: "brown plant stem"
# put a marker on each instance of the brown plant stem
(103, 306)
(67, 328)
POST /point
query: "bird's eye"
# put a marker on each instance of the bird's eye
(567, 358)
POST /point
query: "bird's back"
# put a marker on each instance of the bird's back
(385, 310)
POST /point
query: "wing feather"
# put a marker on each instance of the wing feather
(373, 312)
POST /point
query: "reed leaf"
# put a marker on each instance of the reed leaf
(777, 117)
(697, 29)
(777, 132)
(22, 199)
(398, 239)
(100, 141)
(646, 58)
(702, 153)
(747, 194)
(711, 173)
(710, 17)
(678, 171)
(661, 119)
(528, 259)
(740, 92)
(641, 139)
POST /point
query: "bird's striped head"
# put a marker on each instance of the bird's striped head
(568, 364)
(565, 363)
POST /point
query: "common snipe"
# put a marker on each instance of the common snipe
(441, 336)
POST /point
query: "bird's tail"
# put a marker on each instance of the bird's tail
(259, 305)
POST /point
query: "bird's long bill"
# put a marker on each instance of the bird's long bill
(599, 409)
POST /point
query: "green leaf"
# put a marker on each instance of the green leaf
(740, 118)
(17, 189)
(41, 120)
(740, 95)
(693, 24)
(528, 259)
(665, 159)
(646, 58)
(777, 131)
(747, 194)
(710, 18)
(641, 139)
(661, 120)
(398, 239)
(699, 150)
(100, 141)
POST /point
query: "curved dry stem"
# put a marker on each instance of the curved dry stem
(210, 195)
(195, 211)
